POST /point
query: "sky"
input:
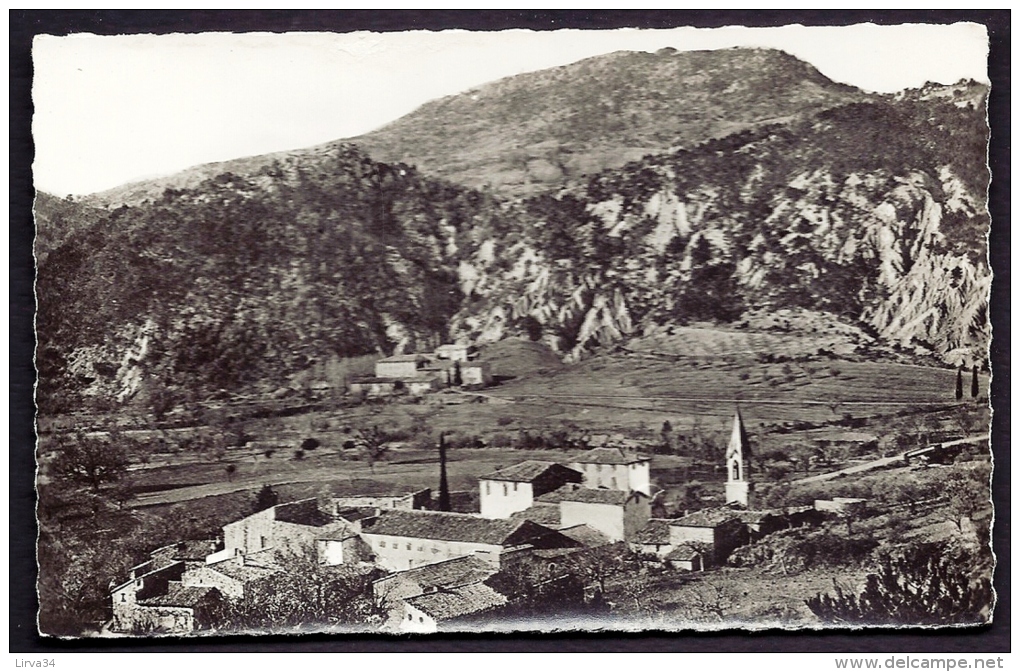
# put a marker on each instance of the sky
(116, 109)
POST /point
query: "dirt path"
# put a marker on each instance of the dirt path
(886, 461)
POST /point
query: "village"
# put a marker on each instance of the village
(432, 569)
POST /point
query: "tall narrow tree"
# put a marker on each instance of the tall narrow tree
(959, 384)
(444, 486)
(974, 383)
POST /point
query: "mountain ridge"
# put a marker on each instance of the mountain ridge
(871, 212)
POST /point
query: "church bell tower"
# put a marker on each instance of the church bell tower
(738, 455)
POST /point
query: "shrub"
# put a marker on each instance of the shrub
(921, 584)
(310, 443)
(504, 420)
(299, 454)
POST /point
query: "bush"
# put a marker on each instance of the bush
(504, 420)
(921, 584)
(299, 454)
(310, 444)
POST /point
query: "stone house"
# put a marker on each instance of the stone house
(653, 540)
(418, 499)
(231, 577)
(374, 386)
(157, 601)
(407, 539)
(400, 366)
(687, 558)
(615, 469)
(617, 514)
(476, 374)
(291, 528)
(392, 590)
(719, 530)
(450, 610)
(507, 491)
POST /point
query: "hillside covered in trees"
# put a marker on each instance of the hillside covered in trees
(867, 209)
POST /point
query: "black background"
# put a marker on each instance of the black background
(24, 24)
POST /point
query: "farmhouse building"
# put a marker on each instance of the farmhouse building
(230, 577)
(719, 530)
(617, 514)
(418, 499)
(614, 468)
(476, 374)
(407, 539)
(292, 528)
(507, 491)
(393, 590)
(451, 609)
(157, 601)
(653, 539)
(400, 366)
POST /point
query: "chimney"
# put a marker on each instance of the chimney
(444, 487)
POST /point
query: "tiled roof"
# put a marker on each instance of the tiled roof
(447, 573)
(463, 601)
(608, 456)
(180, 596)
(655, 531)
(543, 513)
(241, 572)
(192, 549)
(302, 512)
(402, 358)
(684, 552)
(572, 492)
(443, 526)
(708, 518)
(525, 472)
(585, 535)
(753, 517)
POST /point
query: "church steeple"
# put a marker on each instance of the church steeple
(738, 454)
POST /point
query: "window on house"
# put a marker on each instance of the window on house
(410, 617)
(382, 544)
(421, 620)
(123, 597)
(515, 487)
(421, 548)
(409, 547)
(488, 488)
(613, 481)
(506, 490)
(263, 540)
(435, 550)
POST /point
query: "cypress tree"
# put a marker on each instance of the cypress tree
(444, 487)
(959, 384)
(974, 383)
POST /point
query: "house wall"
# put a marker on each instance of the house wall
(625, 477)
(415, 620)
(397, 369)
(606, 518)
(636, 513)
(476, 374)
(418, 388)
(207, 576)
(396, 553)
(408, 502)
(373, 389)
(160, 619)
(251, 534)
(723, 538)
(500, 499)
(659, 550)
